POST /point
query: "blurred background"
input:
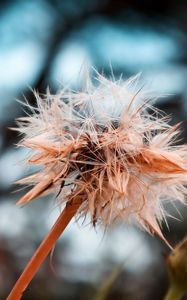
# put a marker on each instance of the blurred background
(45, 43)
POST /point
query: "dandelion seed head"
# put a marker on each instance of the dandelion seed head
(108, 146)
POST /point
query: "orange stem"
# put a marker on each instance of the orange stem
(43, 250)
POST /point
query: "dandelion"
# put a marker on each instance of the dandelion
(105, 151)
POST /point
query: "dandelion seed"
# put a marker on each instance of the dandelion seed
(108, 150)
(111, 151)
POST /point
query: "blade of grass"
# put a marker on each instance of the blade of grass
(174, 293)
(108, 284)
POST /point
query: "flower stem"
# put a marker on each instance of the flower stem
(43, 250)
(174, 293)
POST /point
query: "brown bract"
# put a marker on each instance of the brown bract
(110, 148)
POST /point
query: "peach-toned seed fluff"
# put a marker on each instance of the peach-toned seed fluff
(110, 148)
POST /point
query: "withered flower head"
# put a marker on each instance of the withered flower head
(107, 147)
